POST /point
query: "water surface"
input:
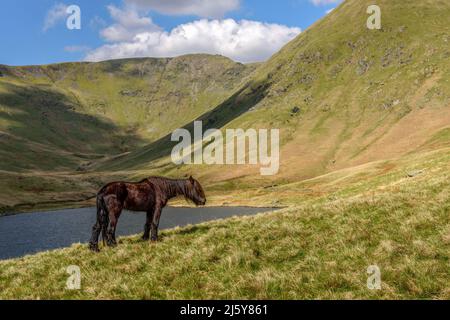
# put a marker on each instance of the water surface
(29, 233)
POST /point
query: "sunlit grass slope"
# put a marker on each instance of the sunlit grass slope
(394, 215)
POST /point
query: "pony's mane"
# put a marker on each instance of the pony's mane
(172, 186)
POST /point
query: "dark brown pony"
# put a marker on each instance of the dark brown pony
(150, 195)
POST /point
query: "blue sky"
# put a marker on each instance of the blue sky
(129, 28)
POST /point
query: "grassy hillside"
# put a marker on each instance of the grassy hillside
(342, 95)
(65, 113)
(365, 163)
(56, 120)
(393, 214)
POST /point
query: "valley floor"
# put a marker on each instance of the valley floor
(392, 214)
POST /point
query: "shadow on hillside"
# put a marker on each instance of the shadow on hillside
(39, 118)
(239, 103)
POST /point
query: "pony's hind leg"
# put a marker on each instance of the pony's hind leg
(114, 213)
(104, 222)
(110, 234)
(96, 229)
(93, 244)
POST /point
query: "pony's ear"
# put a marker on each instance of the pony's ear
(191, 179)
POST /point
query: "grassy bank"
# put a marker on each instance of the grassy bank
(319, 247)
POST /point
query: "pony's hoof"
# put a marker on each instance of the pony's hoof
(94, 247)
(111, 244)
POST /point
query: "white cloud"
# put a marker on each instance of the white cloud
(244, 41)
(201, 8)
(324, 2)
(96, 23)
(329, 10)
(128, 23)
(56, 14)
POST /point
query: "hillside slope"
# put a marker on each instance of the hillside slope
(56, 120)
(56, 116)
(365, 168)
(342, 95)
(318, 249)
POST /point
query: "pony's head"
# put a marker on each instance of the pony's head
(194, 192)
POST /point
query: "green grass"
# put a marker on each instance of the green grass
(317, 249)
(66, 129)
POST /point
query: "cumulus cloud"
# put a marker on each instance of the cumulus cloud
(56, 14)
(201, 8)
(128, 24)
(324, 2)
(244, 41)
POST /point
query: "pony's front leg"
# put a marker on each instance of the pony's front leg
(148, 224)
(155, 223)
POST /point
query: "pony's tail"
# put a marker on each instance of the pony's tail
(102, 215)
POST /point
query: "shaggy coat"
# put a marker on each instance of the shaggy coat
(150, 195)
